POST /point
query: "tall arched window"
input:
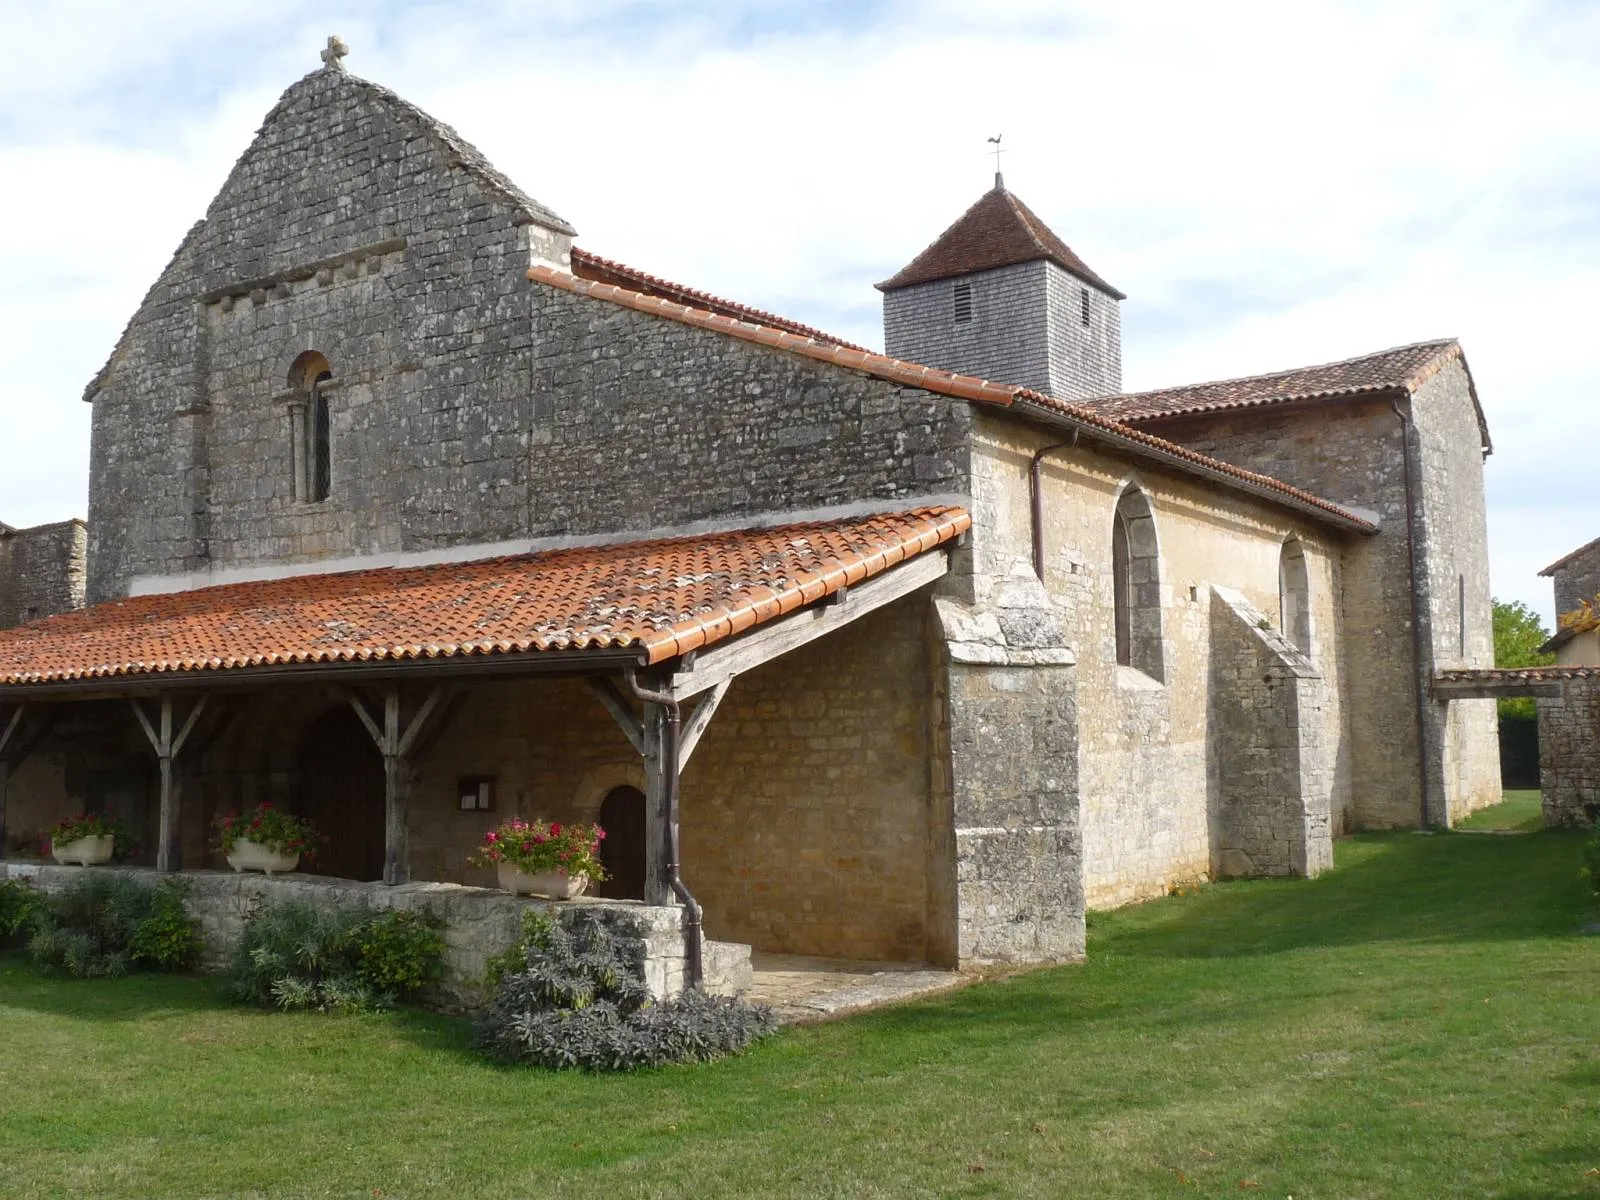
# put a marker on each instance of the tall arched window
(309, 427)
(1136, 585)
(1294, 595)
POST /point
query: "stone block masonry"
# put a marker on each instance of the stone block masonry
(1569, 753)
(467, 406)
(478, 923)
(1271, 809)
(41, 571)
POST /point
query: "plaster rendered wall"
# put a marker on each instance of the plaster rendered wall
(1459, 616)
(1350, 453)
(1569, 753)
(467, 405)
(1577, 581)
(1147, 767)
(41, 571)
(1026, 329)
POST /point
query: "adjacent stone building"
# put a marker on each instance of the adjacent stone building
(42, 570)
(407, 513)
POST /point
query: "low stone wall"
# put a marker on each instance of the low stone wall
(1569, 753)
(478, 922)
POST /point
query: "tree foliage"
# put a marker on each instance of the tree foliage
(1518, 634)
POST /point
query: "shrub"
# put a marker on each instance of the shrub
(296, 955)
(573, 998)
(19, 908)
(1591, 861)
(111, 924)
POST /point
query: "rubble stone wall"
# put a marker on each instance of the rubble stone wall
(478, 923)
(1569, 753)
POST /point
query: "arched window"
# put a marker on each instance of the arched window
(1136, 585)
(312, 455)
(1294, 595)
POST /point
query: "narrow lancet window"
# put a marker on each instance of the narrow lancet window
(310, 426)
(1136, 584)
(1294, 595)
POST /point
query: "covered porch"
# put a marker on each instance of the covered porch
(710, 701)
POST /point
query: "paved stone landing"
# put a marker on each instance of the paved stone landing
(802, 989)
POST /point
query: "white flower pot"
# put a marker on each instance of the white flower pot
(553, 884)
(252, 856)
(85, 851)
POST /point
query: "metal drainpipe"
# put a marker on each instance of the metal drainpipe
(1036, 499)
(669, 781)
(1416, 611)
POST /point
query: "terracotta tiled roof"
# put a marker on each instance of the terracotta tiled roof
(1514, 674)
(964, 387)
(1567, 558)
(663, 598)
(1401, 369)
(605, 270)
(998, 231)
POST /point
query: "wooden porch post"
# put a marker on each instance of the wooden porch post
(657, 830)
(396, 742)
(5, 770)
(168, 745)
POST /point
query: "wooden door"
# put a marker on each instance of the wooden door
(341, 793)
(622, 851)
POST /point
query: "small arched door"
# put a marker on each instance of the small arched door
(622, 851)
(341, 793)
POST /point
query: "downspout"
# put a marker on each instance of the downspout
(1416, 610)
(1036, 498)
(670, 731)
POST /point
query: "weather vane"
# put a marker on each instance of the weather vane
(997, 152)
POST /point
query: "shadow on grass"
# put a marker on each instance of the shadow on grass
(131, 998)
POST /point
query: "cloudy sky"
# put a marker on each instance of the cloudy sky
(1271, 183)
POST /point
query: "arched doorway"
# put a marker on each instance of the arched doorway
(341, 793)
(622, 852)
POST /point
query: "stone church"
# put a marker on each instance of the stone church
(409, 513)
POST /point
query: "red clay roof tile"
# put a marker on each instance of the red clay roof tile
(998, 231)
(662, 597)
(605, 270)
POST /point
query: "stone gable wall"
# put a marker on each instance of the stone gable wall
(1576, 582)
(1147, 772)
(467, 405)
(41, 571)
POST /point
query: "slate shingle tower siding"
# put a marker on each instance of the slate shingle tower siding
(999, 296)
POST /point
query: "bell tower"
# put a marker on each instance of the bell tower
(999, 296)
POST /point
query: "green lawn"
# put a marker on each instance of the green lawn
(1517, 812)
(1420, 1022)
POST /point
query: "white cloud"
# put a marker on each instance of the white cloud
(1272, 184)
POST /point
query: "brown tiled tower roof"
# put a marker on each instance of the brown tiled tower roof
(998, 231)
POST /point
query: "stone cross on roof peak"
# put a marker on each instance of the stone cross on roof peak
(332, 57)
